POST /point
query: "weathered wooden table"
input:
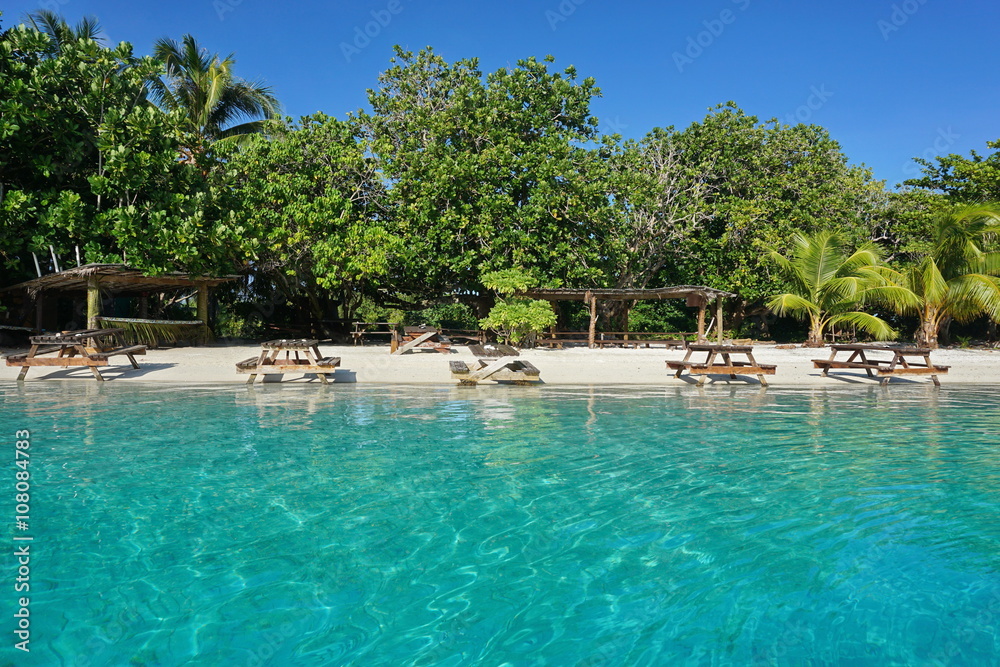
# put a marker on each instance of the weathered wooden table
(310, 361)
(419, 338)
(903, 361)
(86, 347)
(727, 367)
(498, 363)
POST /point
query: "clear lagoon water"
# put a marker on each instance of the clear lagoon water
(359, 525)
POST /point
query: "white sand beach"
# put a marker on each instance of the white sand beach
(572, 366)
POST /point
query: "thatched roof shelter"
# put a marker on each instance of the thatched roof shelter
(698, 296)
(115, 279)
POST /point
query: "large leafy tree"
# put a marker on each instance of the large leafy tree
(87, 162)
(828, 285)
(216, 104)
(488, 173)
(764, 182)
(310, 202)
(962, 179)
(958, 278)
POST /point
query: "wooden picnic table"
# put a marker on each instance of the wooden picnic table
(85, 347)
(419, 338)
(310, 361)
(903, 361)
(726, 367)
(498, 363)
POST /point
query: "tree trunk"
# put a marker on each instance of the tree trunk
(927, 333)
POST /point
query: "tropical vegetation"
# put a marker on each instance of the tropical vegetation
(455, 176)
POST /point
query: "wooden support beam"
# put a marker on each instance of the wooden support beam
(203, 296)
(592, 336)
(718, 316)
(701, 322)
(93, 301)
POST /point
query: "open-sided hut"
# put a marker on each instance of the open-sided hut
(96, 280)
(697, 297)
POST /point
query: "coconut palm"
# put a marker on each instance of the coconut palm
(217, 105)
(828, 285)
(957, 279)
(60, 32)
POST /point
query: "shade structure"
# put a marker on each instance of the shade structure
(697, 296)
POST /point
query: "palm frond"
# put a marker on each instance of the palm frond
(866, 322)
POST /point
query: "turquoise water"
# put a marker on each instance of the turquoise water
(359, 525)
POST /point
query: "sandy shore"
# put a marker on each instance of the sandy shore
(573, 366)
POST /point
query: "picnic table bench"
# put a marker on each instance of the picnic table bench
(497, 363)
(637, 339)
(560, 338)
(727, 366)
(91, 348)
(419, 338)
(268, 363)
(901, 363)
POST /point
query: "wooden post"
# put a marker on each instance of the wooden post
(93, 301)
(203, 294)
(39, 312)
(144, 306)
(589, 297)
(701, 322)
(718, 316)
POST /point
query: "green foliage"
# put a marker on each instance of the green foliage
(86, 161)
(213, 103)
(761, 183)
(487, 172)
(516, 319)
(828, 283)
(966, 180)
(307, 200)
(957, 278)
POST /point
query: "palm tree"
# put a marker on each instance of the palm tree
(957, 279)
(216, 104)
(828, 285)
(60, 32)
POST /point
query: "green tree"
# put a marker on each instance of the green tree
(215, 103)
(309, 201)
(60, 32)
(958, 277)
(516, 319)
(764, 182)
(86, 161)
(488, 173)
(828, 285)
(968, 180)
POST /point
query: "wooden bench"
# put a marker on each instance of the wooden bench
(502, 370)
(268, 362)
(901, 363)
(728, 366)
(91, 348)
(419, 338)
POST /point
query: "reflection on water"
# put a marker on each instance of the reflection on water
(315, 525)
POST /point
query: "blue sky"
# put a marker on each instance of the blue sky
(890, 79)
